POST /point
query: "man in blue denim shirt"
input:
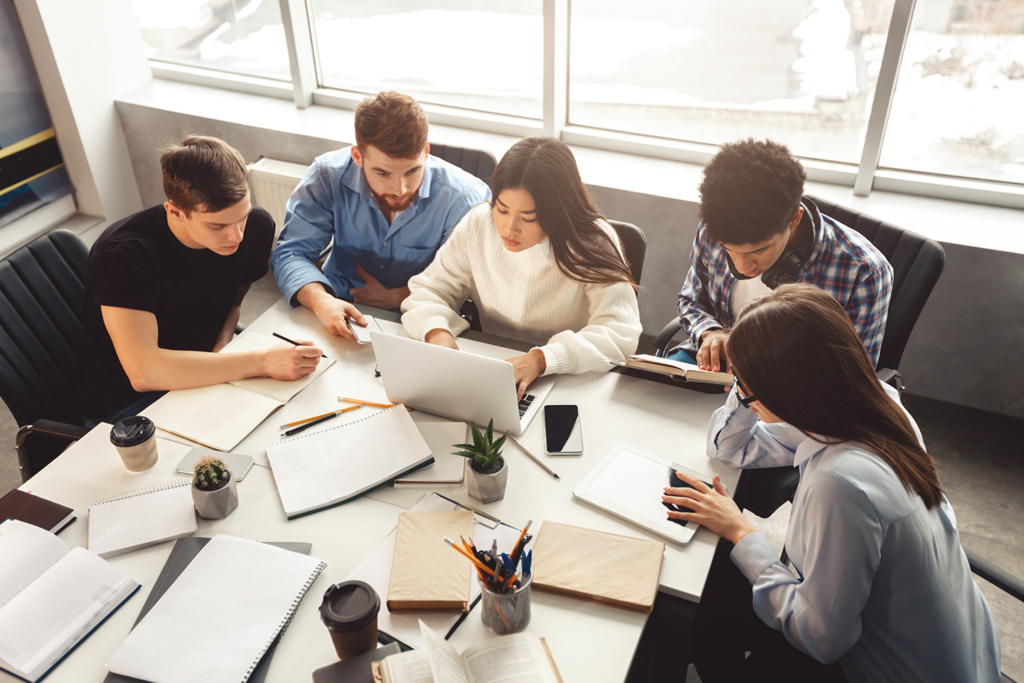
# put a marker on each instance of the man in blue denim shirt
(387, 204)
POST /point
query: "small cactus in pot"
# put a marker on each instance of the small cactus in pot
(213, 488)
(487, 472)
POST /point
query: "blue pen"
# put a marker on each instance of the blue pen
(507, 561)
(527, 563)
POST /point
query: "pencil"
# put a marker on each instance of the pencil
(366, 403)
(535, 459)
(292, 341)
(316, 417)
(480, 565)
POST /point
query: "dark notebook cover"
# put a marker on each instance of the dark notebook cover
(355, 669)
(183, 552)
(36, 511)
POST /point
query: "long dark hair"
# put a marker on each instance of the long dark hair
(546, 168)
(798, 353)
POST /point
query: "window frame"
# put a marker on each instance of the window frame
(864, 177)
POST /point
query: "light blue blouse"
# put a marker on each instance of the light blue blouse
(334, 201)
(884, 587)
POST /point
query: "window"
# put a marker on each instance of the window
(957, 105)
(239, 36)
(474, 55)
(799, 72)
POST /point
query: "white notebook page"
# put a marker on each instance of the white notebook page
(279, 390)
(441, 437)
(141, 518)
(60, 608)
(215, 622)
(26, 551)
(316, 470)
(218, 416)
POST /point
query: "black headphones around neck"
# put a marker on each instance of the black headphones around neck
(787, 267)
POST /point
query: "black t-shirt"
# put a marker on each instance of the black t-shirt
(138, 263)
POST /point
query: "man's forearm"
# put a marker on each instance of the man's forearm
(313, 296)
(166, 369)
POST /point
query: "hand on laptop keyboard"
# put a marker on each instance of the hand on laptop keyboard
(527, 368)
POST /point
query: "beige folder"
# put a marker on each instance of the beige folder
(597, 566)
(427, 574)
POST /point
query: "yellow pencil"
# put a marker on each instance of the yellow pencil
(366, 403)
(310, 419)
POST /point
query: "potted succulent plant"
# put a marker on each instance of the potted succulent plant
(213, 488)
(487, 471)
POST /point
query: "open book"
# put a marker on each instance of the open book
(51, 598)
(221, 415)
(520, 658)
(685, 371)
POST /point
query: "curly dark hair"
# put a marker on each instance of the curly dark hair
(750, 192)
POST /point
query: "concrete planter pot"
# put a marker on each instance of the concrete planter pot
(216, 504)
(488, 487)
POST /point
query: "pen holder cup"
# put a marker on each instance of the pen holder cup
(505, 613)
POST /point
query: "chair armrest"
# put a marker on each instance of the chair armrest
(239, 328)
(665, 337)
(998, 577)
(40, 443)
(892, 378)
(59, 430)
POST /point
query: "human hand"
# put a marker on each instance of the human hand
(527, 368)
(441, 337)
(334, 314)
(290, 362)
(712, 350)
(373, 293)
(712, 507)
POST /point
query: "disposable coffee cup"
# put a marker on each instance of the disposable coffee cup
(349, 611)
(135, 441)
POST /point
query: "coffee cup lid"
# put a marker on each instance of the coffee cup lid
(349, 606)
(132, 431)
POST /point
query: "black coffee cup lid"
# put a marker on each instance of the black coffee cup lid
(132, 431)
(349, 606)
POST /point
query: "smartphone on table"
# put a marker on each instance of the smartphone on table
(563, 430)
(361, 333)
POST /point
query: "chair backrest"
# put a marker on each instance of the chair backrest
(634, 244)
(917, 263)
(477, 162)
(41, 289)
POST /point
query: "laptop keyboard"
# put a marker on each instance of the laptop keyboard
(524, 404)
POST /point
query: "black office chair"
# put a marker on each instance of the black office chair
(41, 288)
(917, 263)
(478, 162)
(1001, 579)
(634, 246)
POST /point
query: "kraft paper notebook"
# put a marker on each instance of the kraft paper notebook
(593, 565)
(51, 598)
(326, 468)
(221, 415)
(137, 519)
(427, 574)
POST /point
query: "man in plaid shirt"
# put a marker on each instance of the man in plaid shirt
(757, 231)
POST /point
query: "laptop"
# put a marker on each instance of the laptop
(456, 384)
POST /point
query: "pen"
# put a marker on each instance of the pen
(517, 549)
(469, 557)
(292, 341)
(366, 403)
(535, 459)
(317, 417)
(298, 429)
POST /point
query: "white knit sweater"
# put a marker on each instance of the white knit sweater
(579, 327)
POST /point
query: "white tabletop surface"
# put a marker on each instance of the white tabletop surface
(661, 419)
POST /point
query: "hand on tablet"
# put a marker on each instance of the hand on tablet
(712, 507)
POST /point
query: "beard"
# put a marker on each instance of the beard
(406, 202)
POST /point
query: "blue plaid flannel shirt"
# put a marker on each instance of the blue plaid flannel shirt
(844, 264)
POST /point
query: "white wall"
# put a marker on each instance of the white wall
(88, 53)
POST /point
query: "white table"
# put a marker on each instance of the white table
(589, 641)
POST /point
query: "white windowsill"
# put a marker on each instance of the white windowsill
(952, 222)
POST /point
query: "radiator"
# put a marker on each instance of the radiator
(272, 183)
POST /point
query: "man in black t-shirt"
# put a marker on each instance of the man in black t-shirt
(164, 287)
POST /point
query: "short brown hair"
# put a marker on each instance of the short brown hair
(393, 123)
(204, 174)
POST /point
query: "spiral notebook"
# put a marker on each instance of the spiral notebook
(323, 469)
(137, 519)
(220, 616)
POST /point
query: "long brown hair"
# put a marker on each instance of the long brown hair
(546, 168)
(797, 352)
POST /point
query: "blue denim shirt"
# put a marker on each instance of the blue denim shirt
(334, 201)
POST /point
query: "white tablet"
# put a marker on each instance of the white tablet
(629, 483)
(238, 464)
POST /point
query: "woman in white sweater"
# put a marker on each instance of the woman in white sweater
(542, 266)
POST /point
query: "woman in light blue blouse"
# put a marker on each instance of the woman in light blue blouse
(882, 590)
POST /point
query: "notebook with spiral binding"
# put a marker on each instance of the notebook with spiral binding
(137, 519)
(216, 621)
(323, 469)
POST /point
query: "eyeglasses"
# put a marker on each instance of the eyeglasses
(745, 401)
